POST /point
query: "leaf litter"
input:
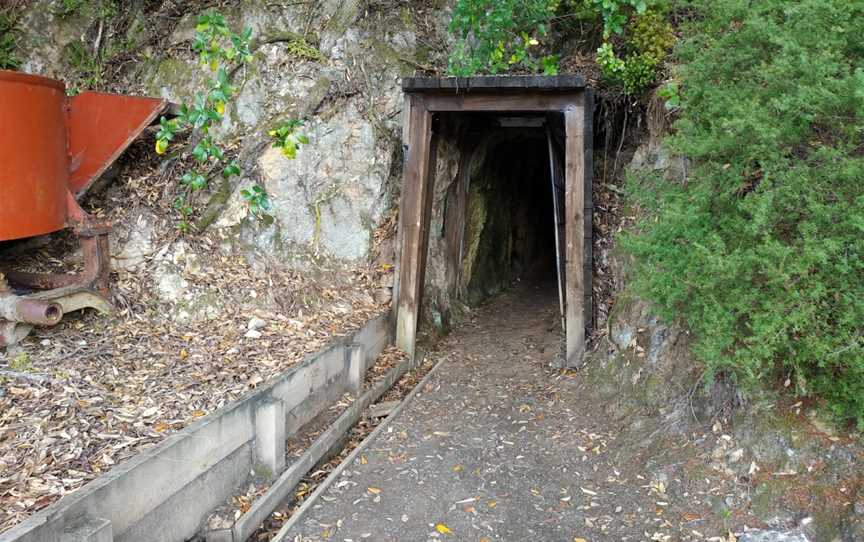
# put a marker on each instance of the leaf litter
(100, 389)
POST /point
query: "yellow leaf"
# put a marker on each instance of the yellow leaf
(198, 413)
(363, 460)
(161, 146)
(373, 490)
(184, 354)
(220, 107)
(457, 468)
(533, 41)
(159, 427)
(492, 504)
(443, 529)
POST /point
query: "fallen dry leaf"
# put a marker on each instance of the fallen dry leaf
(443, 529)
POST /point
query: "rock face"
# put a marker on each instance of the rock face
(334, 64)
(772, 536)
(332, 196)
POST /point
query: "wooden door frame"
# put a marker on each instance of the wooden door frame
(511, 94)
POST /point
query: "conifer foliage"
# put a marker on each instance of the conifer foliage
(761, 250)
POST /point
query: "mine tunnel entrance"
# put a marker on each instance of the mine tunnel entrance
(494, 221)
(497, 187)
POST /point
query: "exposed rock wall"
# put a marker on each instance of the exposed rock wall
(334, 64)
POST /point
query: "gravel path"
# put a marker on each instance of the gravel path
(499, 447)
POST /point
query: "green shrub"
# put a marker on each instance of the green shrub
(9, 39)
(495, 36)
(761, 250)
(648, 39)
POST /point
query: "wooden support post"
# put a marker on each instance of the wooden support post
(574, 233)
(415, 208)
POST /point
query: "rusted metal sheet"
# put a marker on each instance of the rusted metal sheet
(100, 127)
(33, 159)
(51, 144)
(52, 148)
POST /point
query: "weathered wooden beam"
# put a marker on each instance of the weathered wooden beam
(415, 205)
(588, 153)
(574, 232)
(479, 102)
(493, 83)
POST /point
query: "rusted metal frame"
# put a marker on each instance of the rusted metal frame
(574, 200)
(93, 236)
(17, 314)
(414, 219)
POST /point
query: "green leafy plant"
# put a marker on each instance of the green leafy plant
(258, 201)
(9, 34)
(288, 138)
(22, 363)
(649, 37)
(67, 8)
(97, 9)
(614, 14)
(221, 51)
(761, 252)
(85, 65)
(671, 95)
(300, 49)
(494, 36)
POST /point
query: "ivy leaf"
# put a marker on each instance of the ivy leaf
(231, 170)
(198, 182)
(550, 65)
(200, 153)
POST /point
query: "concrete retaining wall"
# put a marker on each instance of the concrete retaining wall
(165, 493)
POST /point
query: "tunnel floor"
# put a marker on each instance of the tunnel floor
(498, 446)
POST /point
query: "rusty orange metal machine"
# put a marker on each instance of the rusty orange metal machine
(52, 148)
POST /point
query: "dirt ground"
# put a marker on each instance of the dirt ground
(500, 447)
